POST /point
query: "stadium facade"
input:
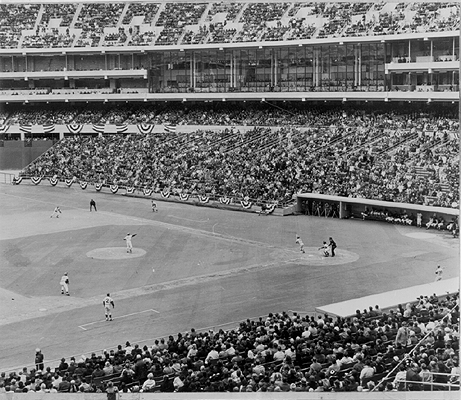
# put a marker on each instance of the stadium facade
(209, 51)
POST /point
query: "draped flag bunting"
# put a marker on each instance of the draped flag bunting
(129, 190)
(121, 128)
(69, 182)
(246, 203)
(114, 188)
(98, 186)
(25, 128)
(48, 128)
(203, 198)
(3, 128)
(147, 192)
(270, 208)
(145, 128)
(74, 128)
(184, 196)
(83, 185)
(36, 179)
(169, 128)
(53, 181)
(224, 200)
(165, 193)
(17, 181)
(99, 128)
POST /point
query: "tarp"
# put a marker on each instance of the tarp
(390, 299)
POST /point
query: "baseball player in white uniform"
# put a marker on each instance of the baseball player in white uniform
(301, 244)
(107, 303)
(129, 245)
(56, 212)
(64, 284)
(438, 273)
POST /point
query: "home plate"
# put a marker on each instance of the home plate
(115, 253)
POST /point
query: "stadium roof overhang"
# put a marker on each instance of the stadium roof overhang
(222, 46)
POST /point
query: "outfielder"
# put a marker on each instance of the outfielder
(65, 284)
(438, 273)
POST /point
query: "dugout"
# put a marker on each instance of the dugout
(322, 205)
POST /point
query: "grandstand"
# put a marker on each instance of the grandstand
(343, 117)
(164, 50)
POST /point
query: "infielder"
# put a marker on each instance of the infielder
(65, 284)
(301, 244)
(56, 212)
(154, 206)
(129, 245)
(107, 302)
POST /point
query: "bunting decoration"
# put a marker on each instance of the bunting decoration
(48, 128)
(75, 128)
(53, 181)
(98, 186)
(147, 192)
(26, 128)
(3, 128)
(69, 182)
(270, 208)
(36, 179)
(224, 200)
(114, 188)
(145, 128)
(129, 190)
(203, 198)
(83, 185)
(17, 181)
(165, 193)
(184, 196)
(99, 128)
(169, 128)
(121, 128)
(246, 203)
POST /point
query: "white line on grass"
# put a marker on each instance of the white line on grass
(187, 219)
(121, 316)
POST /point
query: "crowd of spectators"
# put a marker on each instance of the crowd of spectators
(410, 348)
(145, 10)
(174, 19)
(407, 157)
(247, 22)
(14, 18)
(47, 36)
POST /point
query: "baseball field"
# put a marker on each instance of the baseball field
(191, 267)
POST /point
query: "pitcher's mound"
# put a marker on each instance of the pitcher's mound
(115, 253)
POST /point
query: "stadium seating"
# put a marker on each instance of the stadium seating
(127, 24)
(383, 155)
(412, 348)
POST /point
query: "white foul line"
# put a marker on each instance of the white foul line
(121, 316)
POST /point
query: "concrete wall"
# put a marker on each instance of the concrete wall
(14, 155)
